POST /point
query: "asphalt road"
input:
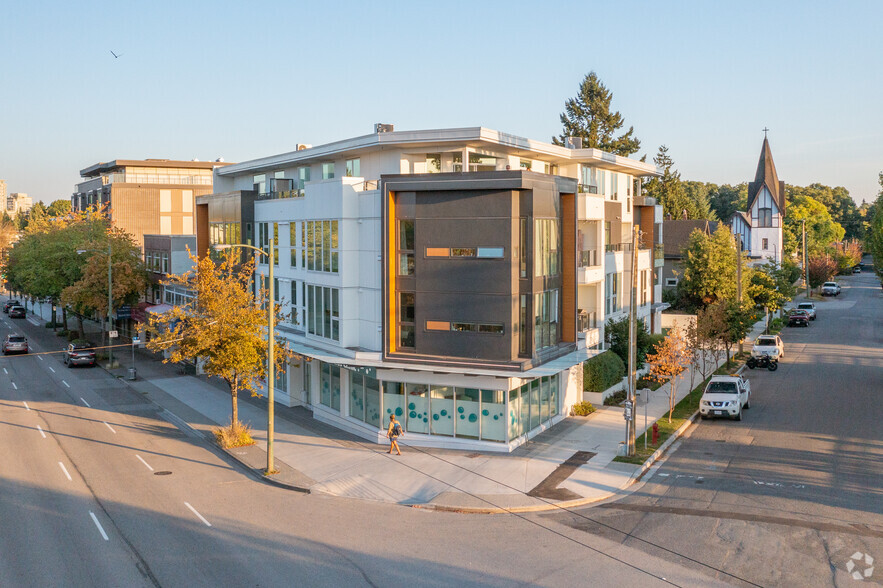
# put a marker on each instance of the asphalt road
(98, 488)
(787, 496)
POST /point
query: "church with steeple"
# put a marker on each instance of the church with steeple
(761, 225)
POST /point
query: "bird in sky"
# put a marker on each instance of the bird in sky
(115, 55)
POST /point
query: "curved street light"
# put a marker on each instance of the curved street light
(109, 295)
(271, 375)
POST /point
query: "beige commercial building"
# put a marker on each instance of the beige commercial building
(146, 197)
(18, 202)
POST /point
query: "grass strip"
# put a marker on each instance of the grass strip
(683, 411)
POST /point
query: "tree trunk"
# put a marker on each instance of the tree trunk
(234, 390)
(671, 397)
(64, 317)
(81, 334)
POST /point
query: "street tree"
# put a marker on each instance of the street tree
(821, 269)
(709, 267)
(225, 327)
(616, 338)
(58, 208)
(671, 359)
(821, 230)
(89, 293)
(771, 286)
(874, 231)
(847, 254)
(588, 116)
(739, 318)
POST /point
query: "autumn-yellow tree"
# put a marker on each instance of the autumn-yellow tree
(670, 360)
(225, 326)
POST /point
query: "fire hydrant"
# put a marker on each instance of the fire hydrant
(655, 433)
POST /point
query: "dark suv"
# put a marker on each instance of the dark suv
(9, 304)
(17, 312)
(79, 354)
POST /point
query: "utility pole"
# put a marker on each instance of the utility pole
(271, 366)
(739, 278)
(109, 303)
(631, 423)
(805, 267)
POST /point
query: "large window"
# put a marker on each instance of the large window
(320, 242)
(327, 171)
(329, 385)
(303, 176)
(764, 217)
(532, 404)
(323, 312)
(365, 398)
(547, 254)
(406, 247)
(353, 168)
(546, 315)
(292, 241)
(407, 304)
(260, 183)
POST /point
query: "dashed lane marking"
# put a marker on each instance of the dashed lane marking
(201, 518)
(64, 469)
(144, 462)
(41, 431)
(109, 427)
(97, 524)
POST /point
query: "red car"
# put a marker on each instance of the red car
(798, 318)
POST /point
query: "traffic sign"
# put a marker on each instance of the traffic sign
(627, 415)
(136, 340)
(113, 334)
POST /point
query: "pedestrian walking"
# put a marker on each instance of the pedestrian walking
(394, 431)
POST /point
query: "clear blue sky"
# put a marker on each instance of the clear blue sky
(247, 79)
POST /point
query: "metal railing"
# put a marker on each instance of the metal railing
(588, 258)
(612, 247)
(587, 320)
(587, 189)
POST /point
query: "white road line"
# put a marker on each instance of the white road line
(65, 383)
(144, 462)
(201, 518)
(41, 431)
(97, 524)
(51, 369)
(109, 427)
(84, 401)
(26, 405)
(64, 469)
(40, 357)
(14, 386)
(5, 372)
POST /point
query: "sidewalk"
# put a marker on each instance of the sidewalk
(318, 458)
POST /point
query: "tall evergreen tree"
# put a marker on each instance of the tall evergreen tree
(668, 190)
(588, 116)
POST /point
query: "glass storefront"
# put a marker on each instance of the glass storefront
(442, 411)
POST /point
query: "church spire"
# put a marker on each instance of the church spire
(767, 176)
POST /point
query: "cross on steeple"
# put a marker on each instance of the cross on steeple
(764, 132)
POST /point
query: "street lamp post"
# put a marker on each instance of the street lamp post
(271, 370)
(109, 298)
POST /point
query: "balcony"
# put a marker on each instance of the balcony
(588, 258)
(280, 194)
(587, 189)
(617, 247)
(586, 320)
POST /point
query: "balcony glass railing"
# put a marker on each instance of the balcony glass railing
(613, 247)
(658, 251)
(588, 258)
(587, 320)
(588, 189)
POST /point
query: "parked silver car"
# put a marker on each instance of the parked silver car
(15, 344)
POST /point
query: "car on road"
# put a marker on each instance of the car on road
(15, 343)
(725, 396)
(798, 318)
(830, 289)
(9, 304)
(857, 269)
(17, 312)
(79, 353)
(810, 308)
(768, 345)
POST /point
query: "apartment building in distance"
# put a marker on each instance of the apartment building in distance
(18, 203)
(457, 278)
(146, 197)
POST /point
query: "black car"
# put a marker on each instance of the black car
(798, 318)
(17, 312)
(9, 304)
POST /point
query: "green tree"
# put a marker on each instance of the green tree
(667, 190)
(725, 200)
(59, 208)
(840, 205)
(874, 230)
(34, 217)
(588, 116)
(225, 326)
(709, 267)
(697, 194)
(616, 337)
(821, 230)
(770, 286)
(740, 318)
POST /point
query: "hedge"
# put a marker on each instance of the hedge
(602, 371)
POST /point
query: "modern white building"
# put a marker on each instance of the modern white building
(455, 277)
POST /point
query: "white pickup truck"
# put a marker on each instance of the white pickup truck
(725, 396)
(768, 345)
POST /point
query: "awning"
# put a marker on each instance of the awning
(159, 308)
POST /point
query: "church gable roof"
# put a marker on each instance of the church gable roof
(767, 176)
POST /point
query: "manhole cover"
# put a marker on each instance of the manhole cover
(162, 473)
(700, 481)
